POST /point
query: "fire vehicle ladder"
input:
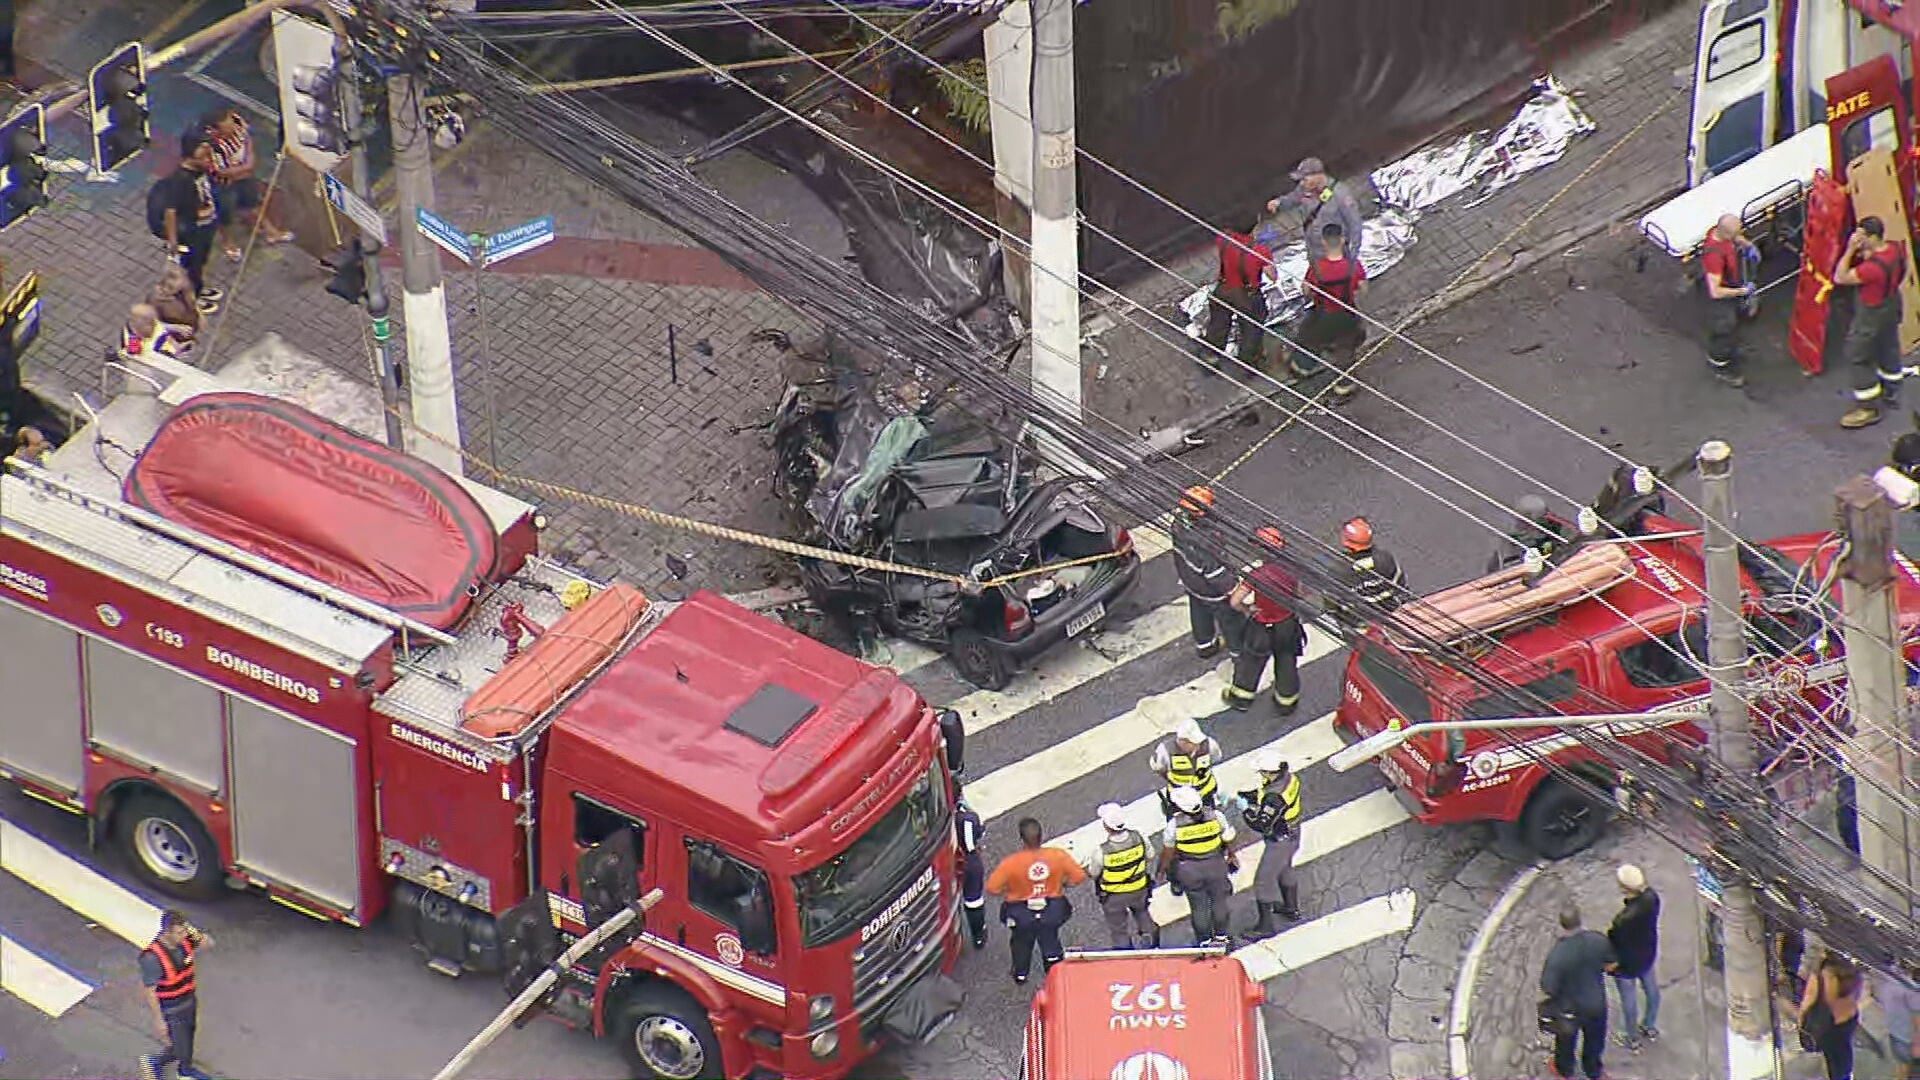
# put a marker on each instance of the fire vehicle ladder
(144, 564)
(1506, 599)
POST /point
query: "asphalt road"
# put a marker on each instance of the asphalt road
(1606, 349)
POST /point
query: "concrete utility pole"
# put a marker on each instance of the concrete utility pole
(1055, 342)
(1750, 1053)
(1876, 754)
(429, 341)
(377, 304)
(1008, 43)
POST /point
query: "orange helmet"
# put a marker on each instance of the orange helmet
(1197, 499)
(1356, 535)
(1270, 536)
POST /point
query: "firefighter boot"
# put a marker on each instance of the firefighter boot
(1212, 648)
(1289, 906)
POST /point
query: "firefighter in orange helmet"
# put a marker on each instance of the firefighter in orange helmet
(1266, 593)
(1207, 580)
(1371, 576)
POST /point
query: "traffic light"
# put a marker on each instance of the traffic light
(349, 268)
(23, 175)
(316, 91)
(117, 104)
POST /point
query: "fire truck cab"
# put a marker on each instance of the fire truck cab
(1168, 1014)
(1616, 628)
(259, 650)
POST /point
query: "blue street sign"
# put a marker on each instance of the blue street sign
(443, 232)
(507, 243)
(356, 208)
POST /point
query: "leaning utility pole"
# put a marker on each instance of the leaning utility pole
(1008, 42)
(429, 341)
(1876, 754)
(1055, 320)
(1750, 1053)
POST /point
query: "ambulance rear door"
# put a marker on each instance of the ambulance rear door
(1736, 86)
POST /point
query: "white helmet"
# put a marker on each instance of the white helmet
(1113, 817)
(1190, 732)
(1269, 761)
(1185, 799)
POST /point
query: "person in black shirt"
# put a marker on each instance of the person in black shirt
(1635, 935)
(180, 211)
(167, 971)
(1574, 980)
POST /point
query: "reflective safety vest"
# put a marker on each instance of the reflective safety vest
(175, 982)
(1289, 796)
(1123, 863)
(1191, 770)
(1196, 836)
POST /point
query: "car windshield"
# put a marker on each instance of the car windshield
(838, 893)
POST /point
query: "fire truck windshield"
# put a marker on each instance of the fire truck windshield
(836, 895)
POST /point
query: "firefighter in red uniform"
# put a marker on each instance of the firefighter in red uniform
(1723, 266)
(1264, 593)
(1244, 264)
(1875, 267)
(1331, 330)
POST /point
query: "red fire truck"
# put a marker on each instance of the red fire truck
(1614, 623)
(1168, 1014)
(258, 650)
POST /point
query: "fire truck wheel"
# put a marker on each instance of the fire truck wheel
(168, 847)
(666, 1034)
(977, 662)
(1560, 821)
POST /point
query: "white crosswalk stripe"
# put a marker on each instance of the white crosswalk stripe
(99, 901)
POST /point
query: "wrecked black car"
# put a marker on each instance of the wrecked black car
(891, 472)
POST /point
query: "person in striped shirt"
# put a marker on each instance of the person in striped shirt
(238, 196)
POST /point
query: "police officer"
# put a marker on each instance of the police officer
(973, 870)
(1374, 576)
(1186, 761)
(1195, 858)
(1121, 881)
(1031, 884)
(167, 971)
(1208, 581)
(1272, 812)
(1265, 593)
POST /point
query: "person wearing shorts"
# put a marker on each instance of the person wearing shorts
(239, 198)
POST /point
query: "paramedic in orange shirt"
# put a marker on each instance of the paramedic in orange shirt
(1029, 883)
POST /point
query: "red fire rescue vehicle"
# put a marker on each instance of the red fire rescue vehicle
(1169, 1014)
(1618, 624)
(258, 650)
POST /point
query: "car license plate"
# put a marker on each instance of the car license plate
(1086, 619)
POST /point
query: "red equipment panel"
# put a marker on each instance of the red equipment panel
(1820, 246)
(306, 493)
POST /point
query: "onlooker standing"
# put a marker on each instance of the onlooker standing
(1899, 996)
(1635, 935)
(167, 969)
(1331, 330)
(1723, 265)
(239, 197)
(1245, 265)
(1325, 200)
(1874, 266)
(1830, 1014)
(173, 300)
(180, 211)
(1029, 883)
(1574, 980)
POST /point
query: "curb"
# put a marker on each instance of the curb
(1171, 440)
(1460, 1019)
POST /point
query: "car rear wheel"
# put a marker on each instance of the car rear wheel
(1560, 821)
(666, 1034)
(978, 661)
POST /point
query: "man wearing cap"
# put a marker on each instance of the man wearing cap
(1272, 812)
(1266, 593)
(1186, 761)
(973, 869)
(1635, 936)
(1325, 202)
(1121, 881)
(1196, 858)
(1207, 580)
(1031, 884)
